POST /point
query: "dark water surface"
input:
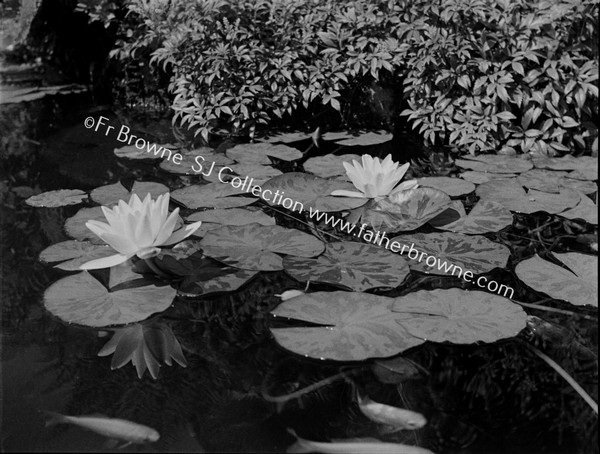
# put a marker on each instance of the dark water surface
(497, 398)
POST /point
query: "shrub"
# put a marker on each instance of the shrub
(476, 75)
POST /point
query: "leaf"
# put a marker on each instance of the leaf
(193, 286)
(255, 247)
(586, 187)
(485, 217)
(259, 153)
(449, 250)
(512, 196)
(212, 219)
(211, 195)
(541, 180)
(359, 326)
(59, 198)
(256, 171)
(83, 300)
(495, 163)
(406, 210)
(311, 192)
(329, 165)
(286, 137)
(459, 316)
(133, 152)
(482, 177)
(586, 166)
(586, 210)
(352, 265)
(360, 138)
(75, 225)
(111, 194)
(201, 160)
(74, 253)
(454, 187)
(578, 286)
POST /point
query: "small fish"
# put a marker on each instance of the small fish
(113, 428)
(353, 446)
(395, 418)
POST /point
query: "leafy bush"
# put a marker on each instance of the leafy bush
(477, 75)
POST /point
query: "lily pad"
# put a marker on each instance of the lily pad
(286, 137)
(586, 209)
(586, 166)
(111, 194)
(192, 287)
(495, 163)
(471, 253)
(360, 138)
(212, 219)
(59, 198)
(75, 225)
(578, 286)
(512, 196)
(310, 191)
(454, 187)
(359, 326)
(485, 217)
(353, 265)
(212, 195)
(259, 153)
(255, 246)
(133, 152)
(459, 316)
(329, 165)
(481, 177)
(81, 299)
(586, 187)
(542, 180)
(73, 253)
(407, 210)
(194, 162)
(256, 171)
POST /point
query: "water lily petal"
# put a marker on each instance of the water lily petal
(167, 228)
(99, 228)
(148, 252)
(346, 193)
(143, 231)
(120, 243)
(182, 233)
(105, 262)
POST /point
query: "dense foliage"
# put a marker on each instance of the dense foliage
(477, 75)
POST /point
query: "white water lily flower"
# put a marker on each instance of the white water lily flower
(137, 228)
(375, 178)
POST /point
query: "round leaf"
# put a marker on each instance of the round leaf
(481, 177)
(353, 265)
(586, 209)
(259, 153)
(585, 166)
(212, 219)
(193, 287)
(111, 194)
(578, 286)
(454, 187)
(495, 163)
(286, 137)
(360, 326)
(75, 225)
(459, 316)
(83, 300)
(74, 253)
(329, 165)
(471, 253)
(196, 161)
(59, 198)
(361, 138)
(485, 217)
(212, 195)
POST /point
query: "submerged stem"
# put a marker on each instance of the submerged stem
(155, 268)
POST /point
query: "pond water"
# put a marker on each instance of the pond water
(477, 398)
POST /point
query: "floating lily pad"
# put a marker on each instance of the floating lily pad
(459, 316)
(286, 137)
(192, 287)
(256, 171)
(359, 326)
(194, 162)
(212, 195)
(578, 286)
(156, 152)
(329, 165)
(75, 225)
(588, 173)
(586, 209)
(73, 253)
(485, 217)
(59, 198)
(353, 265)
(449, 215)
(482, 177)
(111, 194)
(259, 153)
(586, 166)
(407, 210)
(83, 300)
(212, 219)
(512, 196)
(541, 180)
(255, 246)
(471, 253)
(310, 191)
(495, 163)
(586, 187)
(454, 187)
(359, 138)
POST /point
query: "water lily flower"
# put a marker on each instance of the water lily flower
(375, 178)
(137, 228)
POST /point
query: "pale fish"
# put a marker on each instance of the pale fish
(353, 446)
(395, 418)
(113, 428)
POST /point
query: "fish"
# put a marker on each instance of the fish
(113, 428)
(353, 446)
(395, 418)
